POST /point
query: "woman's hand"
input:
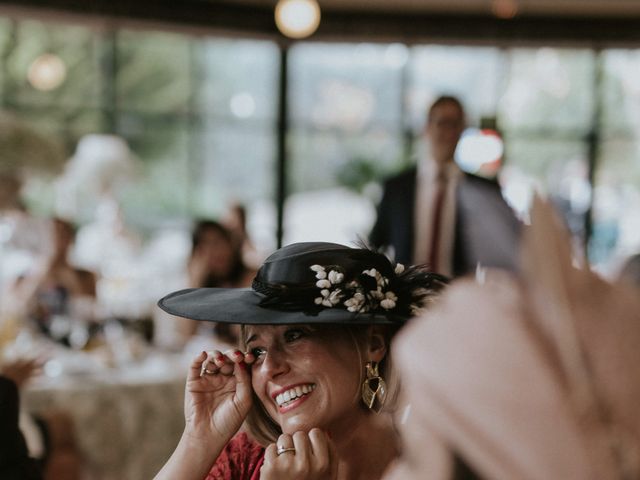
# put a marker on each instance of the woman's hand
(218, 396)
(22, 369)
(302, 456)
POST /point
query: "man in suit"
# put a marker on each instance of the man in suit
(437, 215)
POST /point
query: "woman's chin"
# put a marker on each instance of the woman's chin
(291, 426)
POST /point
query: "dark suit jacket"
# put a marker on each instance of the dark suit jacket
(486, 229)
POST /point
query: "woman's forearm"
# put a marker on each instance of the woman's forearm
(191, 460)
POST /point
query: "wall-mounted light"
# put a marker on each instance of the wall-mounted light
(47, 72)
(297, 18)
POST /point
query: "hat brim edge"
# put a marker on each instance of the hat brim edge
(242, 306)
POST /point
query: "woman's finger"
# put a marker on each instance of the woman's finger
(284, 442)
(303, 448)
(243, 382)
(212, 367)
(270, 454)
(222, 361)
(219, 358)
(237, 356)
(249, 358)
(209, 368)
(195, 369)
(319, 446)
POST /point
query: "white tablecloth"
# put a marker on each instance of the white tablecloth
(127, 421)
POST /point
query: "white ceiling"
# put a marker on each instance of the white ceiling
(525, 7)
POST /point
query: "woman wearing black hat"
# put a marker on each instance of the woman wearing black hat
(313, 369)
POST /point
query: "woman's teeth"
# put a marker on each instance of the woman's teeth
(285, 398)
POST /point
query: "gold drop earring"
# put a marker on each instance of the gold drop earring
(374, 388)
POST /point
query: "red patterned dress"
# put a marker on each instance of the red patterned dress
(241, 459)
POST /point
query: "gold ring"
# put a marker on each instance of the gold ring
(208, 372)
(282, 450)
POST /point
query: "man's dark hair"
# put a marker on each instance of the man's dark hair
(441, 100)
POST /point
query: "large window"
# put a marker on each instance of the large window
(236, 145)
(346, 117)
(546, 114)
(471, 74)
(198, 113)
(617, 179)
(201, 115)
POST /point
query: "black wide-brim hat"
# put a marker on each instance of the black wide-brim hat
(314, 283)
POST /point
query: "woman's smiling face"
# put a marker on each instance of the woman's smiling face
(305, 376)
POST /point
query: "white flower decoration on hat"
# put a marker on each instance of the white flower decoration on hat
(320, 271)
(355, 303)
(353, 295)
(336, 277)
(329, 298)
(389, 301)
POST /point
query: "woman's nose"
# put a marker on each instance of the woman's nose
(275, 362)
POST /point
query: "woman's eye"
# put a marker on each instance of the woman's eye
(258, 352)
(293, 335)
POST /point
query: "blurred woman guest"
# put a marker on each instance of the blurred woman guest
(312, 372)
(235, 220)
(56, 288)
(216, 262)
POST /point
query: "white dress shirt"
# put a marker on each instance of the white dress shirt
(426, 192)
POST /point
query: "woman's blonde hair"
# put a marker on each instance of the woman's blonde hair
(265, 430)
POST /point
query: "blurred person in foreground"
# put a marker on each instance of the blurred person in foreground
(32, 447)
(533, 377)
(216, 262)
(437, 215)
(15, 461)
(56, 287)
(312, 376)
(631, 270)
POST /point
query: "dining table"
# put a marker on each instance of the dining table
(127, 416)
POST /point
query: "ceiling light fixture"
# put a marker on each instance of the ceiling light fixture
(47, 72)
(297, 18)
